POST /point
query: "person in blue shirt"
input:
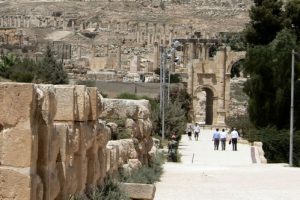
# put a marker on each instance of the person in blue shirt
(216, 139)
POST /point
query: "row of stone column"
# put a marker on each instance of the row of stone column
(144, 32)
(27, 21)
(14, 21)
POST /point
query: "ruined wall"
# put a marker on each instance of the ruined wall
(53, 144)
(238, 99)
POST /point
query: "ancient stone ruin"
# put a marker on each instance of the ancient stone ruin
(54, 140)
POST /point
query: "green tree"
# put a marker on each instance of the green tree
(269, 86)
(293, 15)
(6, 62)
(51, 71)
(267, 19)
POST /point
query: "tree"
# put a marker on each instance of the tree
(269, 86)
(51, 71)
(267, 19)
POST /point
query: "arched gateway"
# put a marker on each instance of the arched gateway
(209, 79)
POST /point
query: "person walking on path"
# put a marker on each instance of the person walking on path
(196, 131)
(189, 131)
(234, 138)
(216, 139)
(223, 136)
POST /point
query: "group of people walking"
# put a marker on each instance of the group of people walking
(218, 136)
(193, 129)
(223, 136)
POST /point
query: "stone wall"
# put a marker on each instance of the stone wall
(54, 145)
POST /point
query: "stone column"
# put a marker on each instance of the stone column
(137, 33)
(19, 21)
(5, 21)
(190, 77)
(65, 25)
(156, 56)
(1, 21)
(73, 25)
(191, 30)
(206, 51)
(79, 51)
(147, 29)
(149, 39)
(24, 21)
(185, 54)
(28, 22)
(154, 34)
(171, 36)
(118, 26)
(10, 21)
(164, 34)
(119, 60)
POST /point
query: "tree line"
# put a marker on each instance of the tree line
(270, 36)
(47, 70)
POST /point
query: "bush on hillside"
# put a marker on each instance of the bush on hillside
(276, 144)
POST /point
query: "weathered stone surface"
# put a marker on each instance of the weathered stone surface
(121, 108)
(15, 185)
(65, 97)
(82, 103)
(18, 122)
(63, 151)
(95, 103)
(139, 191)
(261, 153)
(126, 149)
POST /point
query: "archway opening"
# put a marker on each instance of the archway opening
(204, 107)
(209, 106)
(237, 69)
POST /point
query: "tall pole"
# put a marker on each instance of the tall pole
(292, 109)
(169, 84)
(161, 80)
(163, 93)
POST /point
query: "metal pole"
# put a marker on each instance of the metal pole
(292, 110)
(160, 80)
(169, 74)
(163, 93)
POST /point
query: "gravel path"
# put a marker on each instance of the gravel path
(219, 175)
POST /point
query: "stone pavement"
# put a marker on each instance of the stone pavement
(219, 175)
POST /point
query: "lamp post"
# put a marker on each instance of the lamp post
(164, 56)
(292, 110)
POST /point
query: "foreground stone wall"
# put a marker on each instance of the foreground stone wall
(53, 144)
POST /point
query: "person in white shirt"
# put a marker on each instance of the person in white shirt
(196, 131)
(223, 136)
(234, 138)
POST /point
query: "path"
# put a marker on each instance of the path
(219, 175)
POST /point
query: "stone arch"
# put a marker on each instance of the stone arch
(233, 58)
(205, 108)
(235, 68)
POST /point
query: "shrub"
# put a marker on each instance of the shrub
(25, 70)
(146, 174)
(276, 144)
(110, 191)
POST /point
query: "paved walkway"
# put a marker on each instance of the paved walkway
(219, 175)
